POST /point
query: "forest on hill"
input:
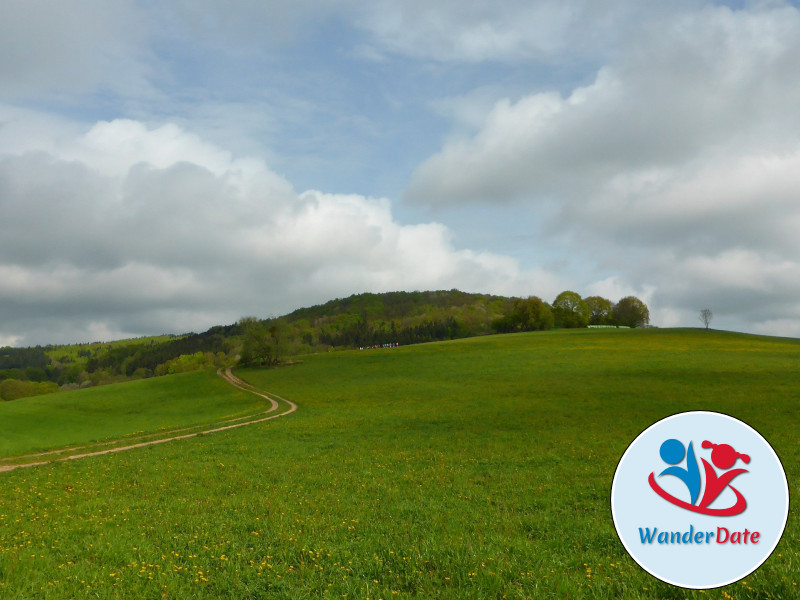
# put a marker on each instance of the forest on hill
(359, 321)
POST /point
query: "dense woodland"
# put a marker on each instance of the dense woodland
(364, 321)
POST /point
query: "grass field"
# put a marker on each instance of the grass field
(472, 469)
(116, 411)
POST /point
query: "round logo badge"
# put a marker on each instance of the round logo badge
(699, 500)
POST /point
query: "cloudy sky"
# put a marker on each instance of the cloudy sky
(168, 166)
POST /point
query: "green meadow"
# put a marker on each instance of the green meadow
(472, 469)
(104, 413)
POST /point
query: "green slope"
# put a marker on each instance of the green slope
(114, 411)
(471, 469)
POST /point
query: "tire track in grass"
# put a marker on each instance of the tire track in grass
(216, 427)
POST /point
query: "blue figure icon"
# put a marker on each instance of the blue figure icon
(672, 452)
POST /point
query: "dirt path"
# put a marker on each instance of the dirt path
(224, 425)
(227, 376)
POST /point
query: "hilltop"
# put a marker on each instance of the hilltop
(359, 321)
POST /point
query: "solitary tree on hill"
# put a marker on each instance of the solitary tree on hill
(705, 316)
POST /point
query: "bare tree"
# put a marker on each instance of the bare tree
(705, 316)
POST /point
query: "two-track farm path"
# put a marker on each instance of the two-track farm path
(162, 437)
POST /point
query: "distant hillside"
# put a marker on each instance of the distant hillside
(393, 317)
(398, 305)
(358, 321)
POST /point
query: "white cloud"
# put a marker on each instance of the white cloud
(139, 230)
(614, 288)
(242, 26)
(671, 172)
(781, 327)
(9, 340)
(483, 30)
(60, 47)
(113, 147)
(700, 86)
(676, 168)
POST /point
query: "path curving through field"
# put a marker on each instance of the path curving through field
(170, 435)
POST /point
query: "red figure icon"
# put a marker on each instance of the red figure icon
(724, 457)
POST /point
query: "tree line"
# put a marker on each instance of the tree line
(43, 369)
(569, 310)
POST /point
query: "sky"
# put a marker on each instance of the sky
(170, 166)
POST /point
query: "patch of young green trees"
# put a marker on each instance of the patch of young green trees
(569, 310)
(14, 389)
(261, 342)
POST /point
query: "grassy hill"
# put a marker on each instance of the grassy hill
(359, 320)
(391, 317)
(115, 411)
(469, 469)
